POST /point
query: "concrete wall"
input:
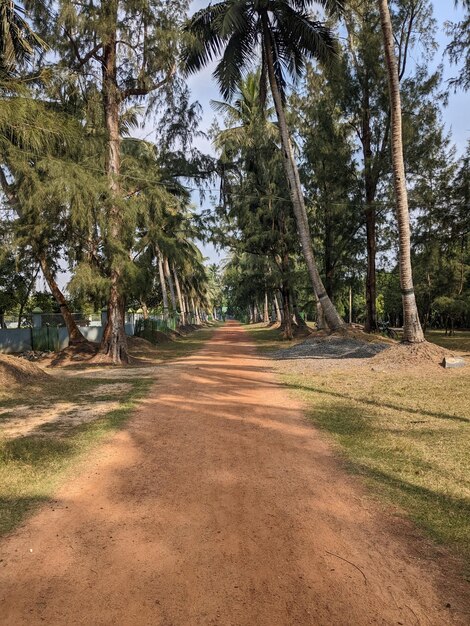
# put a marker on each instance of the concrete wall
(19, 339)
(15, 340)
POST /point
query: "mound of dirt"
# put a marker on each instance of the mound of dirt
(187, 329)
(16, 371)
(302, 331)
(163, 337)
(412, 355)
(74, 354)
(331, 347)
(139, 344)
(354, 331)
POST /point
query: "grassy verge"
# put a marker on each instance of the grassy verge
(269, 339)
(406, 431)
(31, 467)
(180, 347)
(34, 465)
(460, 341)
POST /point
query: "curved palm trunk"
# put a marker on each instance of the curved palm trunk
(166, 268)
(413, 332)
(180, 297)
(161, 274)
(292, 173)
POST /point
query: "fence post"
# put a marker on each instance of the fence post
(104, 316)
(37, 317)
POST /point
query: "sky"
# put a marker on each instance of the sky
(456, 115)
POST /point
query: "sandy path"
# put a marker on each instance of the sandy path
(219, 505)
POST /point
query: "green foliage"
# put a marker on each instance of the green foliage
(459, 46)
(232, 29)
(18, 41)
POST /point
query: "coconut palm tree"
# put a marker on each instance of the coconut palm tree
(286, 36)
(246, 111)
(18, 42)
(413, 332)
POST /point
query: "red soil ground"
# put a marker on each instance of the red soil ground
(219, 504)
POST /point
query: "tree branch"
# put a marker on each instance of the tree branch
(145, 90)
(91, 54)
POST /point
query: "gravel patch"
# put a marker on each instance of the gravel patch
(330, 348)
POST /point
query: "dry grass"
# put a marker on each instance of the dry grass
(459, 342)
(54, 421)
(407, 430)
(34, 462)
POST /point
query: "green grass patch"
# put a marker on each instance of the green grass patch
(269, 339)
(408, 434)
(32, 467)
(179, 348)
(460, 341)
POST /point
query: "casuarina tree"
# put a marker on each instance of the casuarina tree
(126, 48)
(286, 35)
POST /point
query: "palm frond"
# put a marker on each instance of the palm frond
(18, 41)
(332, 7)
(205, 40)
(238, 54)
(224, 108)
(304, 36)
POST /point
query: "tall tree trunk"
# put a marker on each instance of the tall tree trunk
(75, 335)
(301, 323)
(328, 250)
(350, 305)
(145, 310)
(370, 186)
(171, 285)
(161, 274)
(413, 332)
(26, 298)
(321, 322)
(371, 276)
(266, 308)
(114, 342)
(287, 332)
(333, 319)
(189, 311)
(196, 312)
(277, 309)
(180, 297)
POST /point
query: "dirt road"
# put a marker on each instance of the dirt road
(219, 504)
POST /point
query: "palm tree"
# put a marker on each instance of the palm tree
(286, 35)
(247, 111)
(413, 332)
(18, 41)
